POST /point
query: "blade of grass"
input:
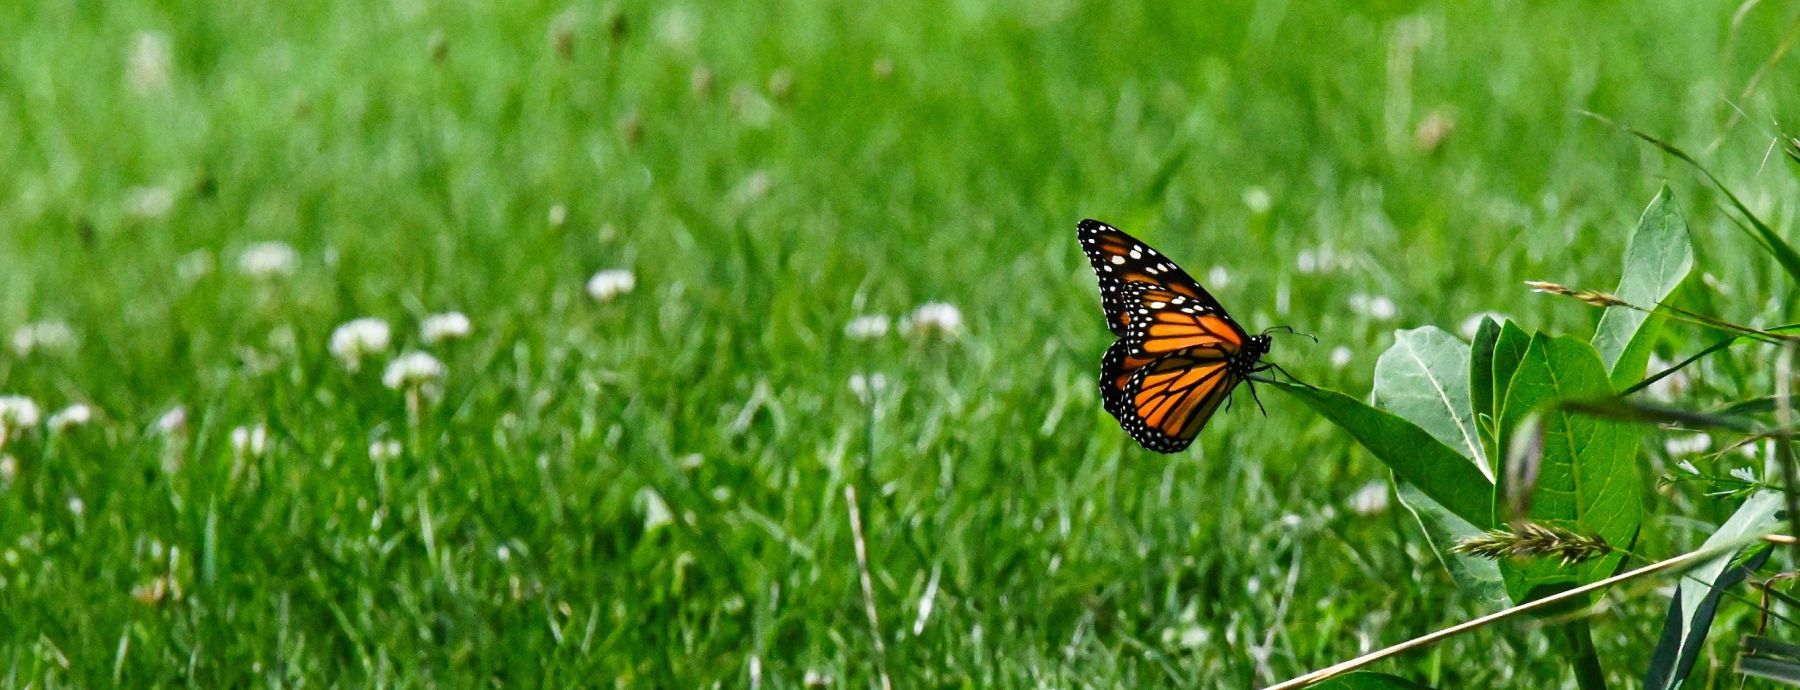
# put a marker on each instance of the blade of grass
(1771, 241)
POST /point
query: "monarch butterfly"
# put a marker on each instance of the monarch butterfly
(1178, 354)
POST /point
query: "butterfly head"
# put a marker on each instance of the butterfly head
(1245, 361)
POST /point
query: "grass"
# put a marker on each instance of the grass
(412, 154)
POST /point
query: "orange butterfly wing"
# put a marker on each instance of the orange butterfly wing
(1171, 400)
(1164, 322)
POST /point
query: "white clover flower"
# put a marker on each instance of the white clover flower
(1693, 444)
(656, 511)
(678, 28)
(940, 319)
(1320, 260)
(172, 421)
(78, 414)
(452, 325)
(1340, 357)
(268, 260)
(359, 338)
(17, 412)
(77, 506)
(413, 370)
(1371, 499)
(147, 65)
(1257, 200)
(610, 283)
(557, 215)
(1668, 387)
(250, 441)
(1218, 277)
(867, 327)
(502, 553)
(1472, 326)
(50, 337)
(194, 265)
(384, 449)
(1193, 637)
(752, 189)
(1377, 307)
(867, 386)
(149, 202)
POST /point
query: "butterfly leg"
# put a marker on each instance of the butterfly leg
(1271, 365)
(1253, 396)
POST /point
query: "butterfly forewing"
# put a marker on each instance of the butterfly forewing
(1164, 321)
(1120, 260)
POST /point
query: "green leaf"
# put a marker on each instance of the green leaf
(1697, 594)
(1657, 258)
(1509, 348)
(1368, 680)
(1478, 578)
(1769, 659)
(1424, 379)
(1412, 453)
(1587, 480)
(1481, 379)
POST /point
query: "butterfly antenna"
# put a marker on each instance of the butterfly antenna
(1291, 331)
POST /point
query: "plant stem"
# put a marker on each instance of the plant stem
(1588, 673)
(1784, 448)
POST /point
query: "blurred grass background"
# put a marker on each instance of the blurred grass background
(769, 173)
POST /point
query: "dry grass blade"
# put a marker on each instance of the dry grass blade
(1681, 562)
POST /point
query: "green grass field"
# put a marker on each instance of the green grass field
(651, 490)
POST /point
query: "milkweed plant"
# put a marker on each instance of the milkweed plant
(1530, 460)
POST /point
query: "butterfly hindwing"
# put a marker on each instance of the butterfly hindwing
(1116, 369)
(1171, 399)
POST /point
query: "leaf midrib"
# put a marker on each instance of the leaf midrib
(1444, 397)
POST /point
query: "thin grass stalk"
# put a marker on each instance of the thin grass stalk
(868, 585)
(1686, 560)
(1784, 418)
(1607, 300)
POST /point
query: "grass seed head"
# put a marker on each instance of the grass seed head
(1528, 540)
